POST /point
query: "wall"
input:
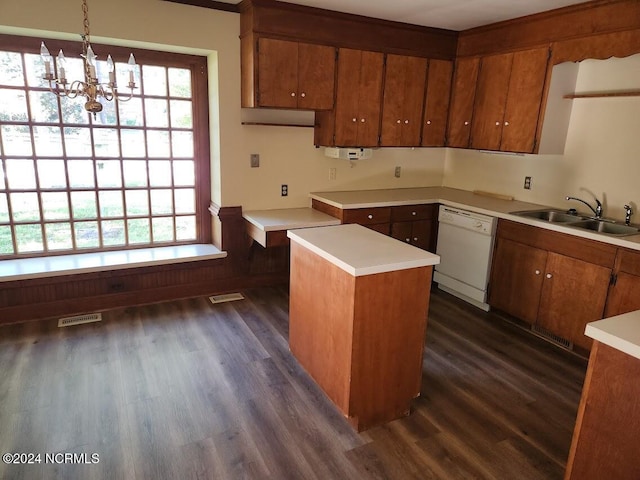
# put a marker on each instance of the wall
(287, 154)
(602, 153)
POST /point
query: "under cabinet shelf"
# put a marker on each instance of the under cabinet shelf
(631, 93)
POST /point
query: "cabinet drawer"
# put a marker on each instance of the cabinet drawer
(408, 213)
(367, 216)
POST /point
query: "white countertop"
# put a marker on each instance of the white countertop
(466, 200)
(621, 332)
(288, 218)
(28, 268)
(360, 251)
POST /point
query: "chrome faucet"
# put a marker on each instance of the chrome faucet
(628, 212)
(596, 211)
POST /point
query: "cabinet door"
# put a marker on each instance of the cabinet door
(623, 296)
(358, 98)
(522, 111)
(316, 76)
(462, 98)
(573, 294)
(277, 73)
(516, 279)
(436, 103)
(421, 234)
(490, 101)
(404, 87)
(402, 231)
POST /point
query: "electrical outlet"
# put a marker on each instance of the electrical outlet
(397, 172)
(332, 173)
(284, 190)
(255, 160)
(527, 183)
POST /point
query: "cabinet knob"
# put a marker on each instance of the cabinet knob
(537, 272)
(506, 124)
(362, 120)
(548, 275)
(408, 240)
(428, 122)
(415, 239)
(354, 120)
(293, 94)
(466, 123)
(303, 94)
(413, 213)
(497, 124)
(406, 121)
(369, 216)
(397, 121)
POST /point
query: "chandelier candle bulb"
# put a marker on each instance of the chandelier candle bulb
(132, 66)
(112, 74)
(61, 63)
(46, 58)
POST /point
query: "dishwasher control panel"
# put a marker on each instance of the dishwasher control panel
(468, 220)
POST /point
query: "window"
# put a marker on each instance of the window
(136, 175)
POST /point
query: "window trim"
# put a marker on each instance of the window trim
(200, 101)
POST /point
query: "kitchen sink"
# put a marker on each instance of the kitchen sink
(549, 215)
(605, 227)
(608, 228)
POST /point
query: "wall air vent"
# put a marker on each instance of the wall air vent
(552, 337)
(228, 297)
(78, 319)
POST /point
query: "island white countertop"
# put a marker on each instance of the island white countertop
(288, 218)
(621, 332)
(360, 251)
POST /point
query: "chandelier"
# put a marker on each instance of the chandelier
(90, 88)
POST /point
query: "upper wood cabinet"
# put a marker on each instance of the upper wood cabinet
(508, 98)
(462, 99)
(436, 103)
(404, 90)
(358, 98)
(289, 75)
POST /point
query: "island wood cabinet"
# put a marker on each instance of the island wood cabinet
(357, 319)
(436, 103)
(403, 98)
(607, 432)
(355, 120)
(287, 74)
(554, 281)
(465, 78)
(623, 296)
(508, 98)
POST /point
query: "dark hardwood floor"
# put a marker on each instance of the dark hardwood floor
(191, 390)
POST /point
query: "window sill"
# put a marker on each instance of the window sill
(42, 267)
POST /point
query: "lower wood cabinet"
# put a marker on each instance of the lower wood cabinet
(555, 281)
(624, 292)
(414, 224)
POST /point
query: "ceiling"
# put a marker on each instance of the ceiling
(449, 14)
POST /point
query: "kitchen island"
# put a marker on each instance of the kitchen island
(607, 432)
(357, 318)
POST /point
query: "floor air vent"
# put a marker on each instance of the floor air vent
(78, 319)
(229, 297)
(547, 335)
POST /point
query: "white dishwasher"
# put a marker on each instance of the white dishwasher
(465, 246)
